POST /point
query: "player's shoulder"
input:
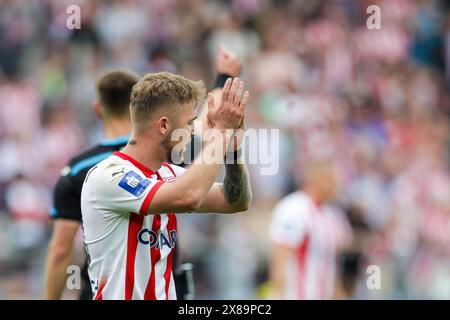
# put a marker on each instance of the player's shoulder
(113, 166)
(295, 199)
(290, 220)
(79, 165)
(172, 169)
(115, 179)
(293, 206)
(85, 160)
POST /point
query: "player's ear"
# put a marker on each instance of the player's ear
(163, 125)
(97, 107)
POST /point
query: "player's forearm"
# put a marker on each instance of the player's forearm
(277, 280)
(55, 278)
(206, 166)
(278, 262)
(193, 186)
(236, 187)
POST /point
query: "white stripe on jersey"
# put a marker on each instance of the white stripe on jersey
(161, 265)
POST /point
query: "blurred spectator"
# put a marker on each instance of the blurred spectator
(376, 101)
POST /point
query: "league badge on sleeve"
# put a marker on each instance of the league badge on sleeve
(134, 183)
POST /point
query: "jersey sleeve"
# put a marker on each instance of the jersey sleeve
(287, 226)
(66, 199)
(177, 170)
(124, 189)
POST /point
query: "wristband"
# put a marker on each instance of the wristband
(220, 80)
(233, 155)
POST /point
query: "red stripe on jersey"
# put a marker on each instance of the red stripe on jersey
(302, 256)
(170, 168)
(101, 286)
(134, 226)
(155, 255)
(171, 226)
(148, 199)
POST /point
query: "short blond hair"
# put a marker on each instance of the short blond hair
(162, 89)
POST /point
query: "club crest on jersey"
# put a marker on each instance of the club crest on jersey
(134, 183)
(149, 237)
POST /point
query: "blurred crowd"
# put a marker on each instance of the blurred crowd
(376, 101)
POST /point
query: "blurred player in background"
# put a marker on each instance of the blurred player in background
(307, 236)
(112, 107)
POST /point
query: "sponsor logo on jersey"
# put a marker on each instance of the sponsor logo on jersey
(134, 183)
(149, 237)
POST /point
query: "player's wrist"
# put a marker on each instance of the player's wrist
(215, 144)
(221, 78)
(233, 155)
(218, 133)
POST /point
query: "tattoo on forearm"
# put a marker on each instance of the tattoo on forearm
(236, 186)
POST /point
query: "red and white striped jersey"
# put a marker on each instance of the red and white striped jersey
(129, 252)
(316, 234)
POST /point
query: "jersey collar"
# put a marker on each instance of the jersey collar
(148, 172)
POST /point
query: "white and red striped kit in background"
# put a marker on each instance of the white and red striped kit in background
(316, 233)
(130, 252)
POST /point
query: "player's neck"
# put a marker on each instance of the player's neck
(114, 128)
(145, 152)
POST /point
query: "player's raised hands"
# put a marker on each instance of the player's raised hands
(228, 63)
(228, 114)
